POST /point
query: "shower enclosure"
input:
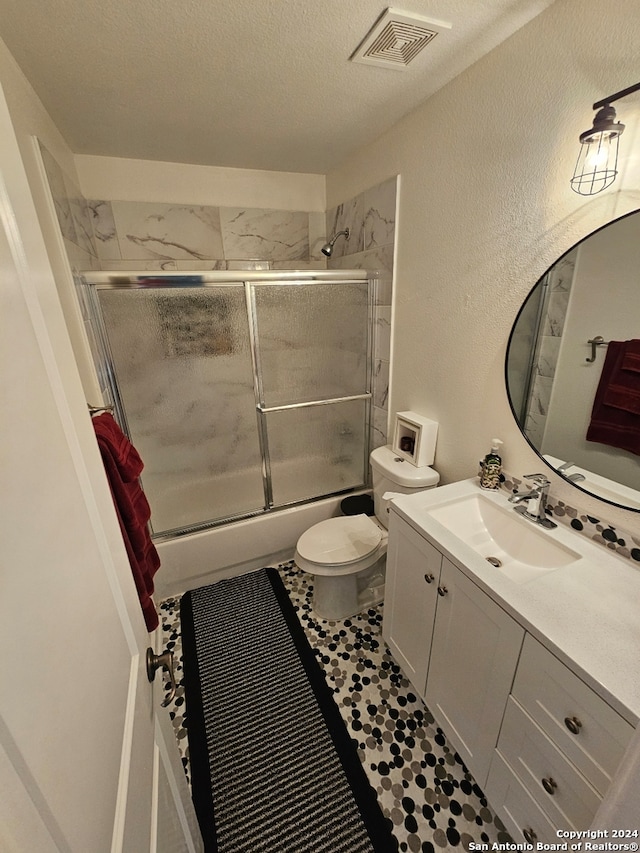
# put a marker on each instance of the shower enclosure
(242, 394)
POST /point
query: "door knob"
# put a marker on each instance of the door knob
(162, 661)
(429, 578)
(442, 590)
(549, 785)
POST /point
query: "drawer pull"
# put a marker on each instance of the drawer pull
(573, 724)
(429, 578)
(442, 590)
(549, 785)
(529, 835)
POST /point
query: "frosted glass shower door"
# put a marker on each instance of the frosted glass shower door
(313, 348)
(182, 363)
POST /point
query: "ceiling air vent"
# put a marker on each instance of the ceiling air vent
(396, 39)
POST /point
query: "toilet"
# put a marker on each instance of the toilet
(347, 555)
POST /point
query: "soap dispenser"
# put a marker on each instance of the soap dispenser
(491, 467)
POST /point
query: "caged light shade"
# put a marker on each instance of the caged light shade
(597, 164)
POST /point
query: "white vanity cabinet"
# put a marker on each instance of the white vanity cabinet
(458, 647)
(473, 658)
(539, 739)
(411, 595)
(559, 747)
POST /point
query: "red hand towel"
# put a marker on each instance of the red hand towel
(631, 360)
(123, 465)
(623, 385)
(609, 424)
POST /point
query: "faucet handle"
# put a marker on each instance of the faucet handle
(540, 479)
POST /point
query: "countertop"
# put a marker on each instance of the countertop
(586, 613)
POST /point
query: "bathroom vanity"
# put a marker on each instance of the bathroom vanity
(523, 643)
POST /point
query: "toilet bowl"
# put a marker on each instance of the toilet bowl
(347, 555)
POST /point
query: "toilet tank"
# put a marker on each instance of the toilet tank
(393, 474)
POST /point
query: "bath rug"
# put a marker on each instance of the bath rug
(273, 767)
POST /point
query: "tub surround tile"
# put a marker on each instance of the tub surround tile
(167, 231)
(548, 356)
(299, 265)
(264, 234)
(379, 427)
(317, 236)
(561, 278)
(79, 259)
(349, 214)
(382, 332)
(59, 194)
(197, 266)
(380, 214)
(141, 266)
(381, 383)
(82, 218)
(556, 313)
(104, 229)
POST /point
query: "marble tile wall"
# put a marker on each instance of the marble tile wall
(560, 279)
(73, 214)
(371, 218)
(142, 235)
(134, 235)
(128, 235)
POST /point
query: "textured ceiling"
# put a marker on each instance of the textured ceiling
(262, 84)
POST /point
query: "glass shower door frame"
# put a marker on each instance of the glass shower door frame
(103, 357)
(263, 410)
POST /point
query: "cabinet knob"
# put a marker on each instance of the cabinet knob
(573, 724)
(442, 590)
(529, 835)
(429, 578)
(549, 785)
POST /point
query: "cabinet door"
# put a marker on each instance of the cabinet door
(473, 660)
(413, 573)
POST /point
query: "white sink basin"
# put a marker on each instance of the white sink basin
(512, 544)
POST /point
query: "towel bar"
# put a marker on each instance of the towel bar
(598, 341)
(94, 410)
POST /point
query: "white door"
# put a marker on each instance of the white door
(85, 763)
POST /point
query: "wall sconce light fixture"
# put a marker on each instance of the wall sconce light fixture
(597, 163)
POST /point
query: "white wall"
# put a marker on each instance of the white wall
(30, 119)
(178, 183)
(485, 207)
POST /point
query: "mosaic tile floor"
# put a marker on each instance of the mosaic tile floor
(422, 785)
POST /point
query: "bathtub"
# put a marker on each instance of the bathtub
(204, 557)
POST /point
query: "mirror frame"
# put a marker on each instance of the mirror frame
(506, 365)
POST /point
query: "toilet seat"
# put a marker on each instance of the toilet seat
(341, 545)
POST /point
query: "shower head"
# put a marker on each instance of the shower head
(327, 249)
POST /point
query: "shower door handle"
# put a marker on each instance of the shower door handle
(162, 661)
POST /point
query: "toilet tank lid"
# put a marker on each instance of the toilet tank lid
(390, 465)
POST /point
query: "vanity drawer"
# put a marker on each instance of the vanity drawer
(518, 810)
(553, 782)
(558, 700)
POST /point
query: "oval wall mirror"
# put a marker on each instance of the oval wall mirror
(558, 358)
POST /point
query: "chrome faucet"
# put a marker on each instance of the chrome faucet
(536, 508)
(575, 478)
